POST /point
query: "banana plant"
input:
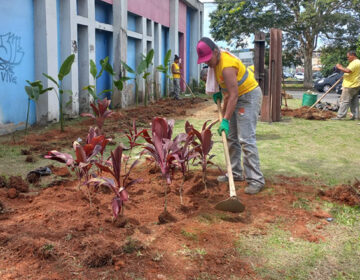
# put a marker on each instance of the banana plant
(141, 71)
(105, 66)
(34, 90)
(64, 71)
(165, 69)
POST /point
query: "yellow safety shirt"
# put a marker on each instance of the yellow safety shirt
(352, 80)
(177, 69)
(245, 78)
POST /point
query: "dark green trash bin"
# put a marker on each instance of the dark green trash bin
(308, 99)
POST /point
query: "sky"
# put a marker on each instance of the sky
(208, 8)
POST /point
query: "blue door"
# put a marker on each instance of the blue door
(165, 48)
(103, 49)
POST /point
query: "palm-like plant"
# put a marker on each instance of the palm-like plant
(64, 71)
(165, 69)
(34, 90)
(141, 71)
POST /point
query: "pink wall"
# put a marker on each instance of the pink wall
(182, 17)
(156, 10)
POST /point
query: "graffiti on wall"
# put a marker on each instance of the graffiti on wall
(11, 55)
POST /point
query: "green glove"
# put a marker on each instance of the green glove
(224, 125)
(217, 96)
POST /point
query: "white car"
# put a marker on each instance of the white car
(299, 76)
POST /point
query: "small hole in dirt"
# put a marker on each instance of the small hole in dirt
(165, 217)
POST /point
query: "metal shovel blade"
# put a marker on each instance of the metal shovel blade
(231, 204)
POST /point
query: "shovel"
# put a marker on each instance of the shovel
(232, 204)
(330, 89)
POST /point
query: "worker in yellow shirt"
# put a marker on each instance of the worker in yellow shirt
(241, 108)
(176, 74)
(351, 87)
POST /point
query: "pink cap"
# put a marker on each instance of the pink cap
(204, 52)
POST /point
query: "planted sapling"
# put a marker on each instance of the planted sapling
(117, 184)
(100, 112)
(161, 148)
(65, 69)
(133, 136)
(85, 156)
(202, 147)
(183, 155)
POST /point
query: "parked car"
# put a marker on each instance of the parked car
(324, 84)
(299, 76)
(287, 75)
(317, 75)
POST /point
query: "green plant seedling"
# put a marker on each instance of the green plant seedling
(64, 71)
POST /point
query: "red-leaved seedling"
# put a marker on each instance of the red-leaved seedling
(85, 156)
(133, 135)
(100, 112)
(203, 148)
(183, 155)
(117, 184)
(161, 148)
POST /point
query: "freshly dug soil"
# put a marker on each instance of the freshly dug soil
(2, 208)
(18, 183)
(61, 235)
(347, 194)
(304, 113)
(57, 235)
(60, 171)
(165, 217)
(42, 143)
(33, 178)
(12, 193)
(3, 183)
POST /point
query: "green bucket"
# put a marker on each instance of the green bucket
(308, 99)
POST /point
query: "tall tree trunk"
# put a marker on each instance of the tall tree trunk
(308, 82)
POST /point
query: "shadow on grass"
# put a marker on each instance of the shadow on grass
(267, 136)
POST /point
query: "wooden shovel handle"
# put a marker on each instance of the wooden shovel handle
(227, 156)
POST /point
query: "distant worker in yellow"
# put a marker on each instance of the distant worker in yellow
(351, 87)
(176, 75)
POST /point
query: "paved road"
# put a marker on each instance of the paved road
(331, 97)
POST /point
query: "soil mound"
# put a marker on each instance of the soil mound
(348, 194)
(18, 183)
(305, 113)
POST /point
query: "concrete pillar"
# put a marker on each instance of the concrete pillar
(92, 32)
(157, 56)
(194, 38)
(69, 45)
(46, 57)
(84, 68)
(119, 98)
(174, 27)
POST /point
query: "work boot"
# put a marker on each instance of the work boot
(253, 188)
(225, 178)
(337, 119)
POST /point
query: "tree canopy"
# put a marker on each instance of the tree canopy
(303, 23)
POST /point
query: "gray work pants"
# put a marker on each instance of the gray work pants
(349, 98)
(176, 88)
(242, 137)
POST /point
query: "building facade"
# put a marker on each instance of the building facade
(37, 35)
